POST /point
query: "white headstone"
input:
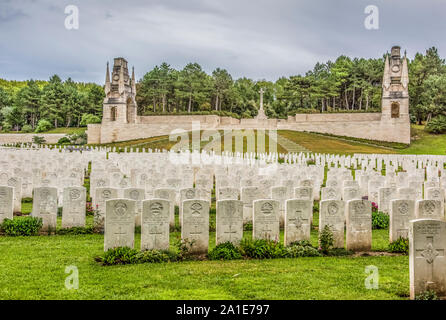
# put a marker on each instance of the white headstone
(155, 224)
(195, 225)
(297, 220)
(359, 225)
(229, 221)
(119, 223)
(265, 223)
(74, 207)
(427, 263)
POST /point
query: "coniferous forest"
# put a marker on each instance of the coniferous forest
(342, 85)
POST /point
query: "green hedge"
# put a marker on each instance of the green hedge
(21, 226)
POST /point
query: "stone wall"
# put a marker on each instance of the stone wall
(373, 126)
(28, 137)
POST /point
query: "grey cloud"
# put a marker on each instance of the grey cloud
(257, 39)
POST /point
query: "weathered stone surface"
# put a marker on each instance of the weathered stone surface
(427, 263)
(401, 212)
(359, 225)
(119, 223)
(248, 195)
(155, 224)
(195, 225)
(280, 194)
(385, 195)
(330, 193)
(6, 203)
(351, 193)
(266, 220)
(102, 195)
(74, 205)
(138, 195)
(168, 194)
(332, 213)
(429, 209)
(45, 207)
(229, 221)
(297, 220)
(228, 193)
(16, 183)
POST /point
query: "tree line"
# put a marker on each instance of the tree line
(61, 103)
(342, 85)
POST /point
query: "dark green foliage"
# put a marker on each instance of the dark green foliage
(380, 220)
(75, 231)
(64, 140)
(43, 126)
(262, 249)
(90, 119)
(156, 256)
(247, 226)
(301, 249)
(39, 140)
(225, 251)
(121, 255)
(401, 245)
(21, 226)
(437, 125)
(27, 129)
(78, 138)
(326, 239)
(427, 295)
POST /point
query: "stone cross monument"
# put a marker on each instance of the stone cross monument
(261, 115)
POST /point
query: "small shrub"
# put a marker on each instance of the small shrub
(64, 140)
(6, 127)
(301, 249)
(21, 226)
(120, 255)
(156, 256)
(225, 251)
(374, 207)
(43, 126)
(262, 249)
(39, 140)
(427, 295)
(75, 231)
(437, 125)
(183, 248)
(401, 245)
(326, 240)
(78, 138)
(89, 119)
(27, 128)
(380, 220)
(247, 226)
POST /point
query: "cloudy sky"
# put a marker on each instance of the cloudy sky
(254, 38)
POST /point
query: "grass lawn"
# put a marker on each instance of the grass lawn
(423, 143)
(426, 143)
(34, 268)
(67, 130)
(325, 144)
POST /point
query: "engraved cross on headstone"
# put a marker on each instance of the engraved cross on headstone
(429, 253)
(119, 233)
(298, 221)
(155, 232)
(230, 232)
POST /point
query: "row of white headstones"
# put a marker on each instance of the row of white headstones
(427, 236)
